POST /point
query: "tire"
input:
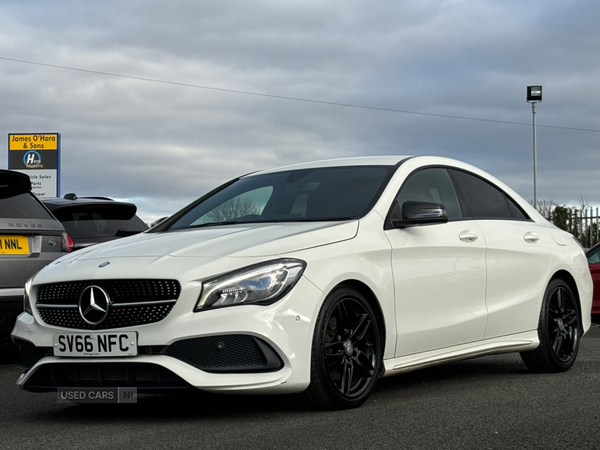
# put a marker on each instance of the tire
(559, 331)
(346, 352)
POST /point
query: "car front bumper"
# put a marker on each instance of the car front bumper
(267, 349)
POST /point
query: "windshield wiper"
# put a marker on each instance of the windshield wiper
(316, 219)
(215, 224)
(123, 232)
(236, 222)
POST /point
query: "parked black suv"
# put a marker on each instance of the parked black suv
(92, 220)
(30, 238)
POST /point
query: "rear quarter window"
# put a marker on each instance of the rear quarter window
(485, 200)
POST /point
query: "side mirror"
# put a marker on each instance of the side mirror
(420, 213)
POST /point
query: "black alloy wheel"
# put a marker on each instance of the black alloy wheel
(563, 324)
(346, 354)
(559, 331)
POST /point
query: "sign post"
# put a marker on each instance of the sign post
(37, 155)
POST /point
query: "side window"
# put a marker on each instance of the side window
(486, 200)
(516, 212)
(431, 185)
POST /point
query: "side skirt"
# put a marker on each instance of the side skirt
(504, 344)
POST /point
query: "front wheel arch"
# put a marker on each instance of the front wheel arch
(370, 296)
(346, 351)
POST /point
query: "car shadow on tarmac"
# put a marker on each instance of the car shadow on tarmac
(197, 404)
(505, 371)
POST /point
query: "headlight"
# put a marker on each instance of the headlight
(26, 303)
(260, 284)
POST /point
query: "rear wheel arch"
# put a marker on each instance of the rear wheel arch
(568, 278)
(559, 327)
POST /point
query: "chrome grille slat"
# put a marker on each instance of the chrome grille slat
(158, 302)
(41, 305)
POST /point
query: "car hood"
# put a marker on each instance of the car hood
(252, 240)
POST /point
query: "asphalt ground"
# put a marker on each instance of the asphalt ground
(492, 402)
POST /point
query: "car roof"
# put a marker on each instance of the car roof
(113, 210)
(15, 180)
(385, 160)
(57, 202)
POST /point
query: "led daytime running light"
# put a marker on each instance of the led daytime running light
(259, 284)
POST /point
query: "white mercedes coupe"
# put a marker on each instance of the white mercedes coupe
(316, 278)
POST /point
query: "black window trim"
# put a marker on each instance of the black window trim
(465, 205)
(387, 225)
(464, 200)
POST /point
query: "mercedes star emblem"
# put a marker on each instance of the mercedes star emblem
(94, 303)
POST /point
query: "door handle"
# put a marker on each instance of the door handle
(531, 237)
(468, 236)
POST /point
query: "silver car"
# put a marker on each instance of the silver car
(30, 238)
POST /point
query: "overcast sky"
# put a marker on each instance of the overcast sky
(226, 72)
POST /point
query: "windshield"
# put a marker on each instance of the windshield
(330, 193)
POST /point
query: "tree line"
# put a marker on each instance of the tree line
(581, 220)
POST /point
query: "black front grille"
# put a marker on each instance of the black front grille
(133, 302)
(120, 291)
(144, 376)
(227, 354)
(118, 317)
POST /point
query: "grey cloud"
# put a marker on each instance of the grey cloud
(164, 145)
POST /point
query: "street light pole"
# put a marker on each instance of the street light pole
(534, 96)
(533, 111)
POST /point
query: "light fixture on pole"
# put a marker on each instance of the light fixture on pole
(534, 95)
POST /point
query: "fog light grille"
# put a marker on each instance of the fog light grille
(227, 354)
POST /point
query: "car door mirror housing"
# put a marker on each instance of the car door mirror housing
(420, 213)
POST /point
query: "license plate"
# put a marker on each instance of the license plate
(95, 344)
(14, 245)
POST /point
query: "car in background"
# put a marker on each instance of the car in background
(92, 220)
(593, 257)
(30, 238)
(317, 278)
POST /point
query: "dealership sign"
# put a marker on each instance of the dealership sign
(37, 155)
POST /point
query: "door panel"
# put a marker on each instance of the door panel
(439, 274)
(517, 260)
